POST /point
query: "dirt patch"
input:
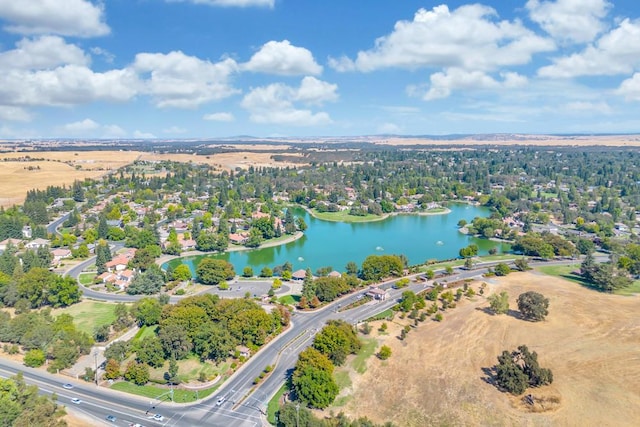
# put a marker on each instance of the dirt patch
(589, 341)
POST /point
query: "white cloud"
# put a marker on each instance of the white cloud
(282, 58)
(182, 81)
(143, 135)
(275, 103)
(630, 88)
(68, 18)
(14, 114)
(314, 91)
(105, 54)
(616, 52)
(68, 85)
(41, 53)
(589, 107)
(80, 127)
(468, 38)
(229, 3)
(578, 21)
(219, 117)
(389, 128)
(174, 130)
(91, 128)
(443, 83)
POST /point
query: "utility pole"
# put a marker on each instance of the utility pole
(297, 414)
(95, 358)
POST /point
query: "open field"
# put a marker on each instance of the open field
(435, 377)
(57, 168)
(89, 314)
(517, 139)
(566, 272)
(228, 161)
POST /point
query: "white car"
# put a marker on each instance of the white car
(67, 386)
(158, 417)
(76, 401)
(220, 401)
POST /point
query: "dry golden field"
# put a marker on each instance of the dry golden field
(63, 167)
(590, 341)
(57, 168)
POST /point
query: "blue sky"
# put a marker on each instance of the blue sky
(219, 68)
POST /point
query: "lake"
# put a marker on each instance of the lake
(326, 243)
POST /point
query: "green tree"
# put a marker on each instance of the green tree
(213, 271)
(147, 311)
(499, 303)
(337, 340)
(502, 269)
(149, 351)
(182, 273)
(384, 353)
(312, 379)
(247, 271)
(137, 373)
(112, 370)
(533, 306)
(34, 358)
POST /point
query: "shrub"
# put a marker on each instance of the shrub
(384, 353)
(34, 358)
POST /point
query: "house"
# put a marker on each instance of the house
(119, 262)
(187, 245)
(9, 241)
(238, 238)
(334, 274)
(60, 254)
(377, 293)
(299, 275)
(27, 232)
(244, 351)
(37, 243)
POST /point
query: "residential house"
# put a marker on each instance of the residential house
(299, 275)
(9, 241)
(238, 238)
(37, 243)
(59, 254)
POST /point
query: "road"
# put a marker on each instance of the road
(244, 404)
(52, 227)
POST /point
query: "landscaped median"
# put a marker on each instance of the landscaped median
(163, 393)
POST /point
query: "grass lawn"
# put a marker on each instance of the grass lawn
(564, 271)
(341, 378)
(153, 392)
(86, 278)
(369, 346)
(145, 331)
(87, 315)
(289, 299)
(189, 369)
(343, 216)
(274, 404)
(383, 315)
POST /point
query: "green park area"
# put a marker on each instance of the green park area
(567, 272)
(87, 315)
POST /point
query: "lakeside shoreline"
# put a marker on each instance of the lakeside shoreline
(444, 211)
(167, 258)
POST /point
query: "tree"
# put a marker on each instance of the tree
(247, 271)
(499, 303)
(182, 273)
(147, 311)
(149, 351)
(103, 227)
(522, 264)
(312, 379)
(520, 369)
(384, 353)
(34, 358)
(118, 351)
(533, 306)
(337, 340)
(213, 271)
(469, 251)
(266, 272)
(351, 268)
(148, 282)
(502, 269)
(137, 373)
(112, 370)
